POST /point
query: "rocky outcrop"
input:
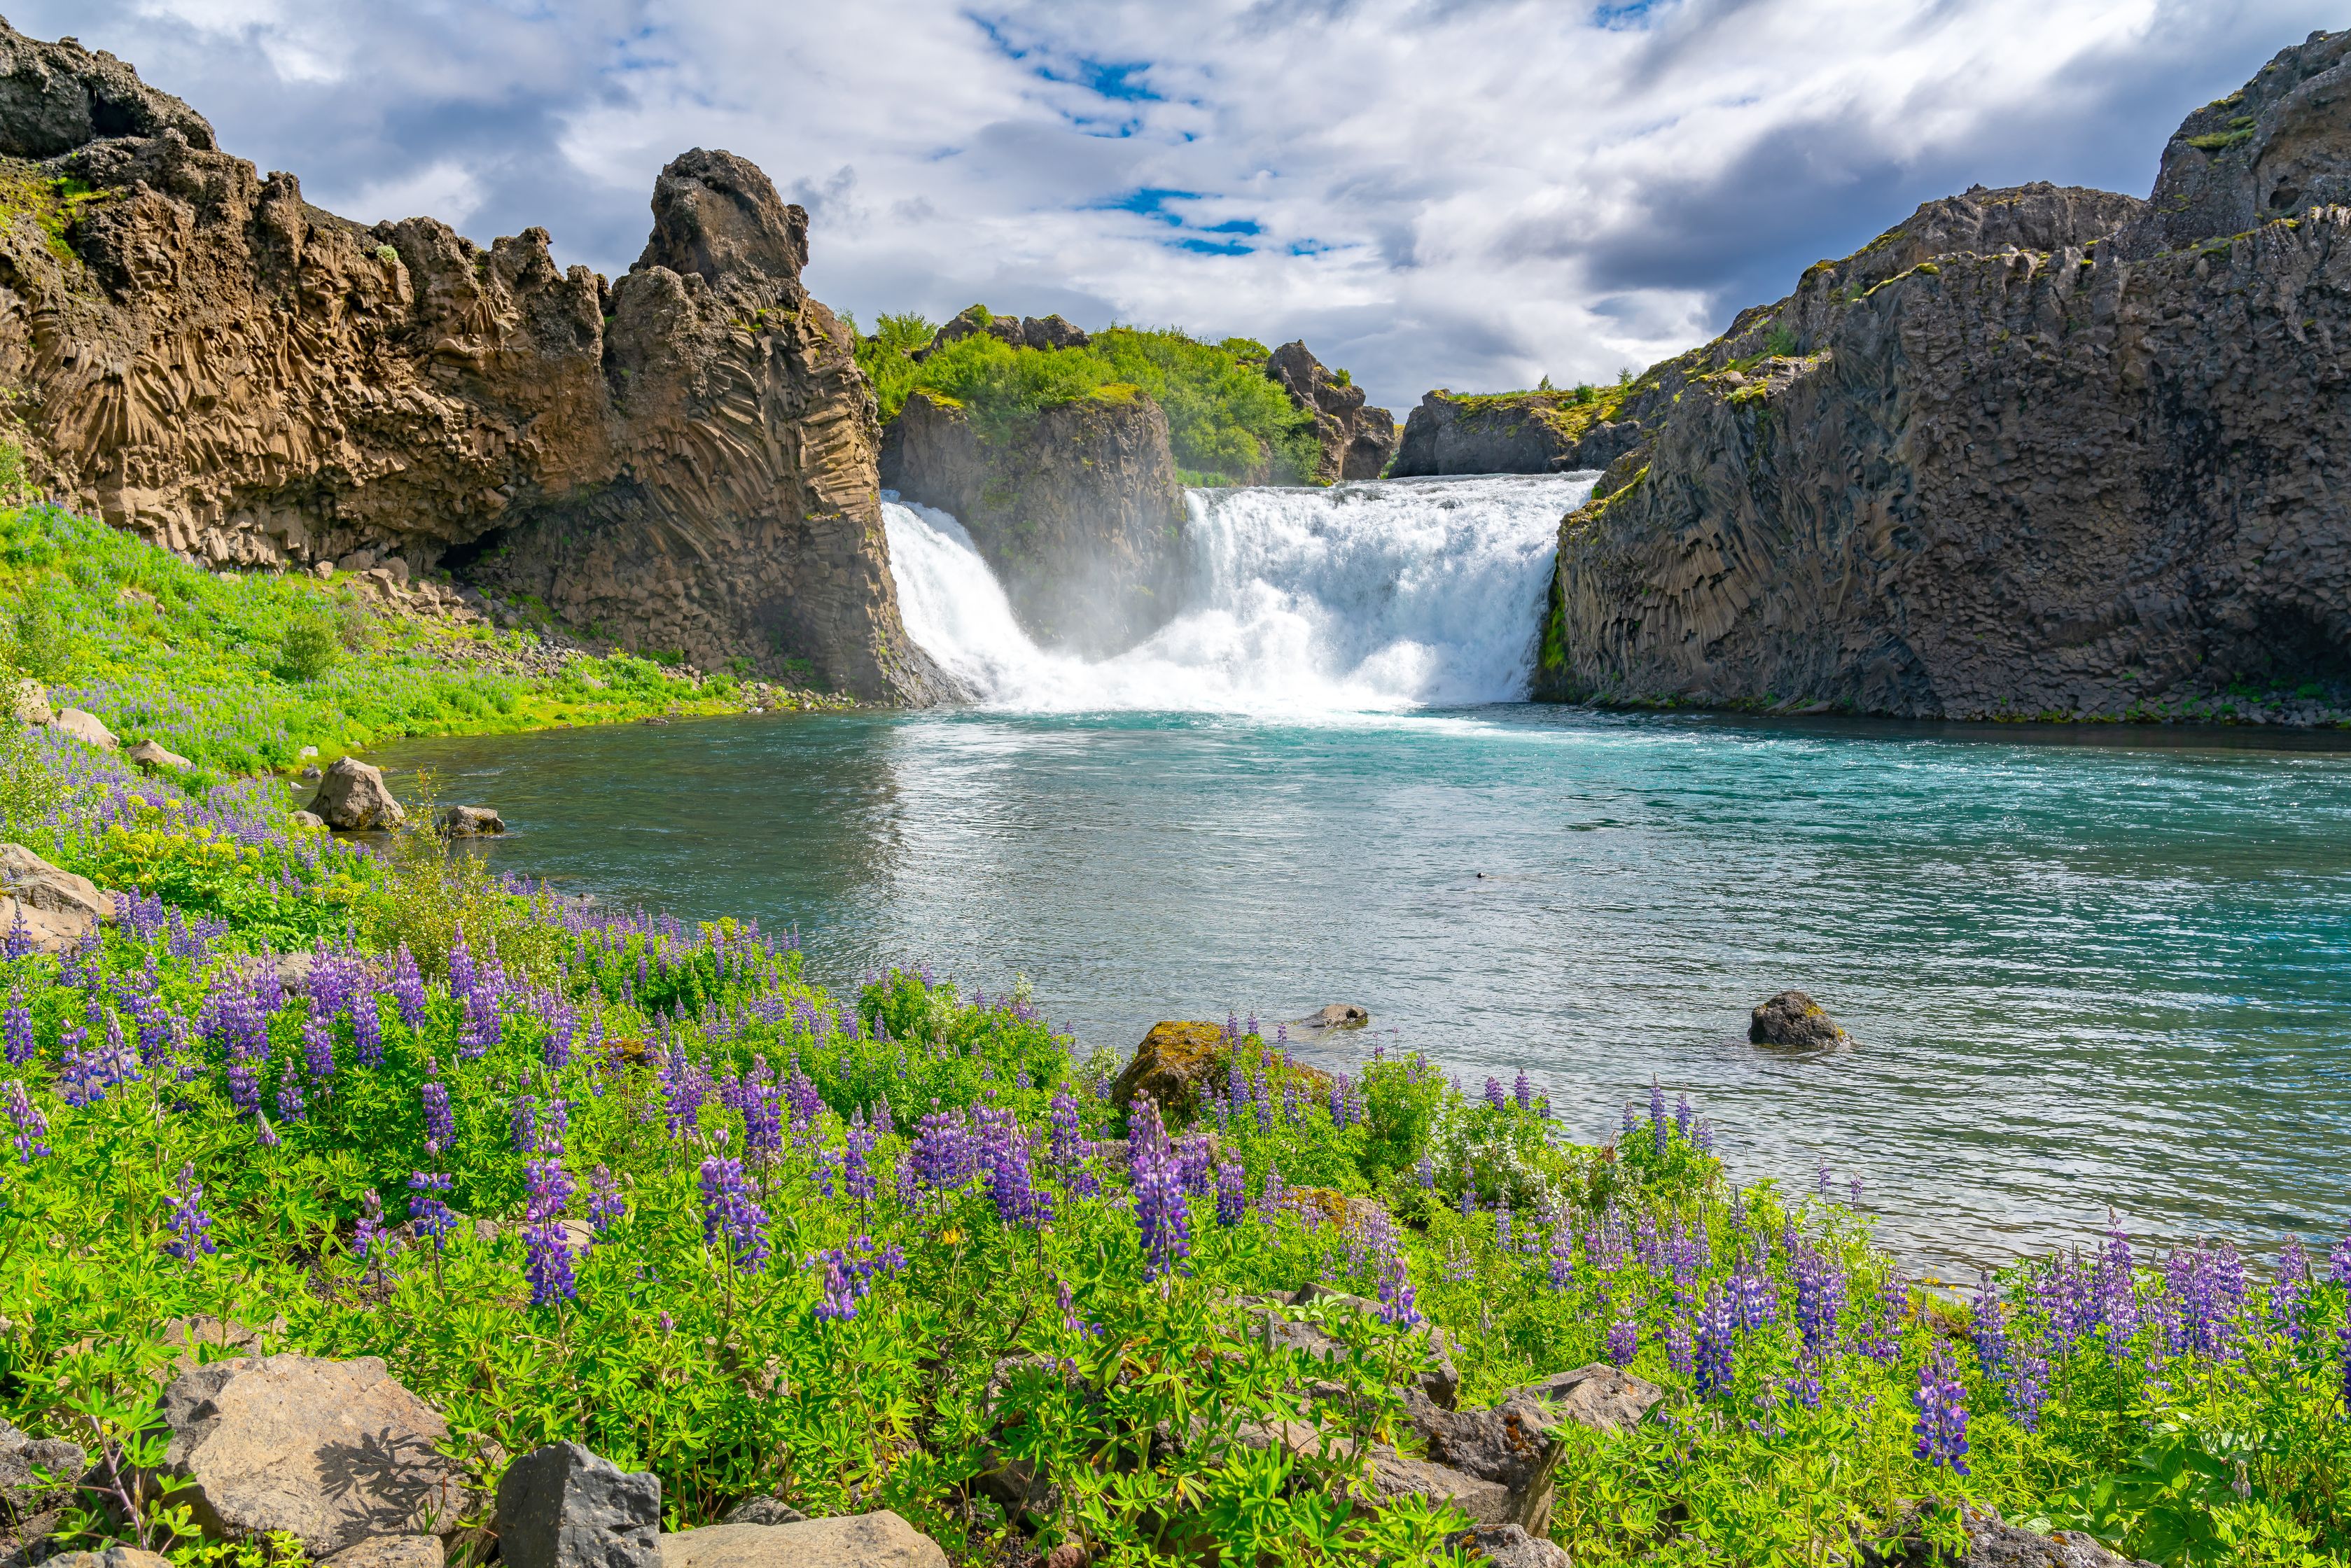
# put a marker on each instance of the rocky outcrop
(1172, 1065)
(2007, 461)
(1012, 331)
(1355, 442)
(682, 459)
(1513, 433)
(564, 1507)
(1075, 507)
(353, 798)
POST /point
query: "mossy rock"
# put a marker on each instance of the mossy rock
(1170, 1065)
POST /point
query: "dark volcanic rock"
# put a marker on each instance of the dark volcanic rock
(1508, 1546)
(563, 1507)
(1012, 331)
(684, 459)
(1510, 433)
(1992, 1542)
(1076, 509)
(1792, 1018)
(2007, 462)
(1356, 442)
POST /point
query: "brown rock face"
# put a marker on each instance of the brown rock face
(1357, 441)
(1509, 433)
(1170, 1066)
(1992, 467)
(682, 460)
(1076, 509)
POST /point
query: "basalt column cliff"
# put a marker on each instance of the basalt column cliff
(2037, 451)
(683, 459)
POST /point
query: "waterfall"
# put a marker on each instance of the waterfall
(1381, 595)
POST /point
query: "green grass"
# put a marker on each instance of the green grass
(1226, 422)
(239, 672)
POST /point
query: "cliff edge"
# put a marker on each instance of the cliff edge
(2038, 452)
(681, 460)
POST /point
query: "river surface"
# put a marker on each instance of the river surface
(2084, 967)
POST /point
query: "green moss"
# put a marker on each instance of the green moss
(2219, 141)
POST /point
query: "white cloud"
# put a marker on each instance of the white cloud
(1465, 192)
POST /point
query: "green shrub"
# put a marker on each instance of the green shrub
(309, 648)
(40, 643)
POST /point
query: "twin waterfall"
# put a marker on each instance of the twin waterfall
(1382, 595)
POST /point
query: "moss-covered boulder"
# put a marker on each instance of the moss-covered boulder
(1170, 1065)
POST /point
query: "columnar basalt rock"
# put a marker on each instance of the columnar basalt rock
(684, 459)
(1076, 509)
(2035, 452)
(1356, 442)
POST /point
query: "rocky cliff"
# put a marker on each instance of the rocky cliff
(683, 459)
(1076, 508)
(2034, 452)
(1355, 442)
(1514, 433)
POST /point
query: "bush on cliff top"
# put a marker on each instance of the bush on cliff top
(1226, 422)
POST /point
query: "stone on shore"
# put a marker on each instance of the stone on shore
(1170, 1065)
(564, 1507)
(334, 1453)
(85, 727)
(150, 754)
(308, 819)
(880, 1540)
(1508, 1546)
(471, 822)
(354, 799)
(1793, 1018)
(55, 909)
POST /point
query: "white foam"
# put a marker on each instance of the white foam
(1378, 596)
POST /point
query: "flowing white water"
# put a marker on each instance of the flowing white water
(1382, 595)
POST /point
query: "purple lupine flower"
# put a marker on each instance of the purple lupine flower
(682, 1088)
(800, 1091)
(547, 1246)
(1631, 1122)
(1396, 1308)
(483, 1024)
(731, 1221)
(836, 1304)
(1988, 1327)
(2338, 1262)
(1424, 1172)
(1623, 1341)
(1192, 1170)
(16, 1029)
(1524, 1092)
(2289, 1292)
(264, 1134)
(1232, 1197)
(1751, 1295)
(606, 1205)
(369, 1241)
(1717, 1331)
(1563, 1255)
(1942, 1423)
(407, 988)
(1006, 1155)
(1657, 1132)
(1882, 1341)
(1062, 1146)
(1494, 1095)
(944, 1155)
(1071, 1322)
(430, 1216)
(440, 1125)
(857, 1164)
(367, 1031)
(562, 1021)
(525, 1126)
(461, 971)
(1338, 1103)
(192, 1228)
(2342, 1350)
(290, 1103)
(1681, 1354)
(1820, 1293)
(1160, 1213)
(761, 1105)
(2028, 1386)
(1824, 1181)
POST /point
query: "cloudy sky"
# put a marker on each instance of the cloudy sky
(1433, 193)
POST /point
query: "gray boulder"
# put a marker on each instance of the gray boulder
(1508, 1546)
(55, 908)
(85, 727)
(151, 754)
(563, 1507)
(471, 822)
(1793, 1018)
(333, 1452)
(1599, 1397)
(1390, 1476)
(308, 819)
(112, 1557)
(1992, 1542)
(1440, 1383)
(354, 799)
(1338, 1014)
(880, 1540)
(36, 1480)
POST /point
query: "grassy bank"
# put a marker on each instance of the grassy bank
(240, 672)
(860, 1252)
(1226, 422)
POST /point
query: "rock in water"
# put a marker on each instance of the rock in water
(1338, 1014)
(354, 799)
(1170, 1065)
(1793, 1017)
(880, 1540)
(471, 822)
(563, 1507)
(85, 729)
(150, 754)
(1813, 516)
(333, 1452)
